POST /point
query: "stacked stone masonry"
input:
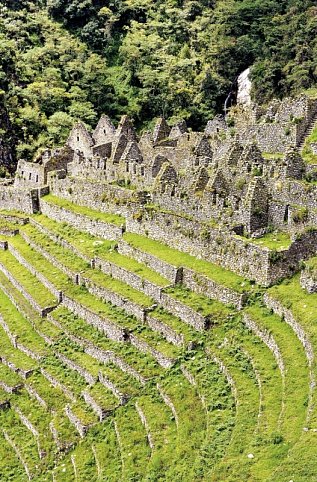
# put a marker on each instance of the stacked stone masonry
(206, 193)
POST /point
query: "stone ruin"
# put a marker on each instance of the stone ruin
(209, 193)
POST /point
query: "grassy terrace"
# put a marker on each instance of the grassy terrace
(84, 461)
(162, 429)
(23, 440)
(27, 311)
(20, 327)
(8, 377)
(307, 153)
(30, 283)
(75, 264)
(91, 246)
(205, 306)
(85, 414)
(294, 392)
(53, 397)
(90, 213)
(277, 240)
(178, 258)
(16, 214)
(74, 325)
(13, 356)
(104, 443)
(175, 323)
(102, 396)
(134, 447)
(8, 225)
(37, 415)
(192, 425)
(9, 462)
(300, 461)
(241, 370)
(214, 389)
(67, 434)
(80, 294)
(124, 382)
(64, 471)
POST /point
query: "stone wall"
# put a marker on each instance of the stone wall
(29, 174)
(56, 239)
(172, 273)
(308, 279)
(131, 279)
(211, 244)
(39, 276)
(100, 196)
(164, 361)
(185, 313)
(289, 318)
(168, 333)
(81, 222)
(23, 200)
(111, 330)
(220, 247)
(40, 309)
(270, 137)
(207, 287)
(111, 297)
(286, 262)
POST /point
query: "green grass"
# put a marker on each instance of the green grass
(299, 464)
(294, 393)
(20, 327)
(9, 377)
(276, 240)
(76, 264)
(135, 450)
(192, 425)
(163, 432)
(106, 448)
(144, 364)
(307, 152)
(30, 283)
(85, 243)
(90, 246)
(54, 397)
(273, 155)
(247, 412)
(178, 258)
(90, 213)
(13, 213)
(117, 286)
(213, 309)
(175, 323)
(19, 359)
(214, 389)
(10, 466)
(84, 413)
(103, 396)
(69, 378)
(27, 311)
(24, 440)
(84, 461)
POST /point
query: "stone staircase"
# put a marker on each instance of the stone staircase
(307, 132)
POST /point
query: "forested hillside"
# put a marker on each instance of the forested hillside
(66, 59)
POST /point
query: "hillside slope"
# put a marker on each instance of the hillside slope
(145, 59)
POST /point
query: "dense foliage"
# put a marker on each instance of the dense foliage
(64, 59)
